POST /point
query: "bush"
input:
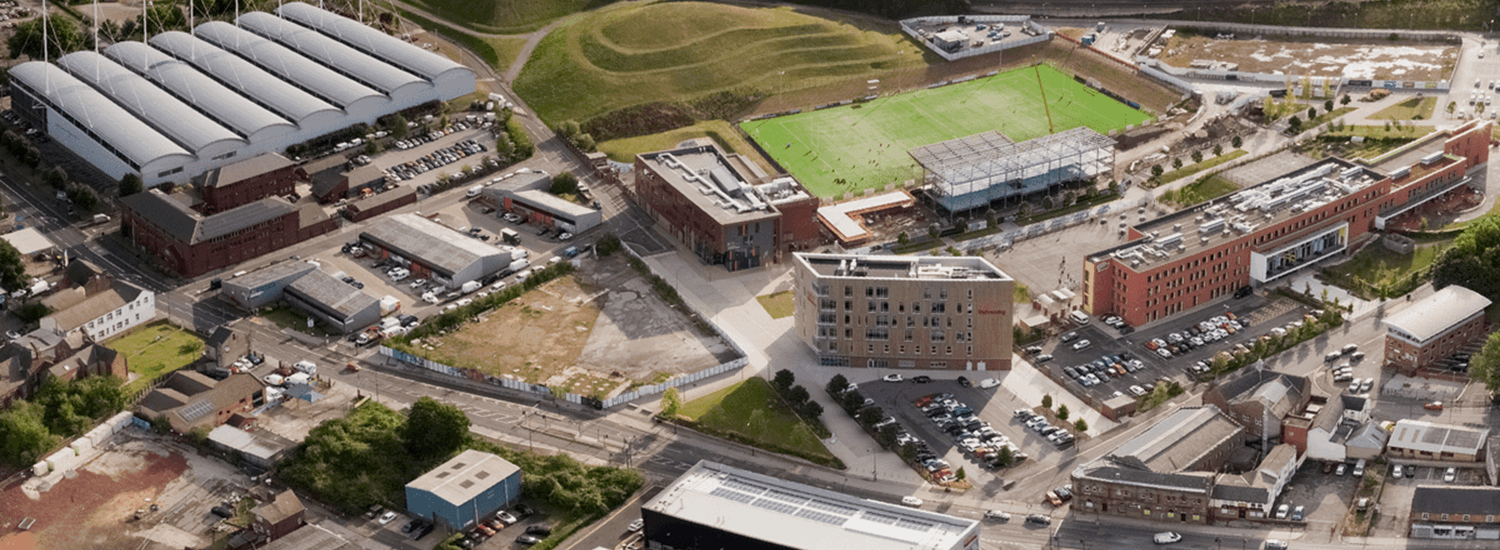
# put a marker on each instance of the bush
(608, 244)
(564, 184)
(1062, 412)
(1081, 426)
(1047, 401)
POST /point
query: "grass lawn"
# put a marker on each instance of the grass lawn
(625, 150)
(286, 317)
(1198, 167)
(632, 53)
(778, 304)
(1411, 109)
(155, 350)
(498, 51)
(820, 147)
(1405, 131)
(1325, 117)
(1203, 190)
(753, 413)
(1379, 267)
(504, 17)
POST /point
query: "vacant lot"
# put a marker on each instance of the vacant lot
(632, 53)
(822, 148)
(155, 350)
(1382, 60)
(597, 332)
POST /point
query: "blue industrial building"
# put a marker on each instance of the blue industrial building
(470, 487)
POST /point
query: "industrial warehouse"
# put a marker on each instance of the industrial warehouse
(186, 104)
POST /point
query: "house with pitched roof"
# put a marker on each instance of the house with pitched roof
(1455, 512)
(1250, 495)
(1322, 429)
(189, 399)
(45, 353)
(1259, 399)
(1166, 473)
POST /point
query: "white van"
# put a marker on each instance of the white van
(1079, 317)
(1359, 468)
(474, 191)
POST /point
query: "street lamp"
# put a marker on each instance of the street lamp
(1217, 545)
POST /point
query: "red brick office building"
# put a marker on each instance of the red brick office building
(247, 181)
(190, 244)
(1263, 233)
(1420, 337)
(723, 208)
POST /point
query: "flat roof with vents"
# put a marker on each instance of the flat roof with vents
(865, 266)
(1418, 435)
(463, 477)
(800, 516)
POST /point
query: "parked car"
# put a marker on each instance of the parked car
(892, 378)
(1396, 471)
(913, 502)
(921, 379)
(1297, 513)
(1039, 519)
(528, 540)
(1433, 406)
(635, 525)
(1166, 537)
(964, 381)
(1081, 344)
(1069, 337)
(1282, 511)
(1450, 475)
(387, 517)
(539, 530)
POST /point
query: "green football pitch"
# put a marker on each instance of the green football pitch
(863, 146)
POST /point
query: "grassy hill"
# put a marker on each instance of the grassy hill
(634, 53)
(504, 17)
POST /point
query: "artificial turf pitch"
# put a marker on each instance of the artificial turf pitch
(865, 144)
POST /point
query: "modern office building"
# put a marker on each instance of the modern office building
(714, 507)
(466, 489)
(1424, 334)
(185, 104)
(723, 208)
(908, 312)
(1267, 232)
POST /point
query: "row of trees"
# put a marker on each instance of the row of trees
(59, 410)
(1197, 156)
(570, 131)
(785, 384)
(1063, 413)
(1473, 262)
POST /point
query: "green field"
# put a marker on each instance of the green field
(633, 53)
(822, 146)
(750, 412)
(1417, 108)
(154, 350)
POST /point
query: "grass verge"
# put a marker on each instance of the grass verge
(1416, 108)
(286, 317)
(1196, 167)
(156, 350)
(779, 304)
(750, 412)
(1081, 205)
(505, 17)
(1379, 272)
(1205, 189)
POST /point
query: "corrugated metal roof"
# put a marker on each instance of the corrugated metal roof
(393, 50)
(332, 295)
(336, 55)
(286, 64)
(225, 106)
(1436, 313)
(245, 77)
(116, 128)
(153, 105)
(417, 237)
(464, 477)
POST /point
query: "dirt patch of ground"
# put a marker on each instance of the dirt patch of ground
(597, 332)
(89, 509)
(1385, 61)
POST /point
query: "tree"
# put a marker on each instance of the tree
(55, 177)
(1472, 261)
(783, 381)
(811, 410)
(398, 126)
(1197, 157)
(1218, 149)
(671, 402)
(23, 436)
(903, 239)
(851, 401)
(568, 128)
(1328, 106)
(130, 185)
(1344, 100)
(932, 231)
(1176, 163)
(1062, 412)
(1294, 123)
(798, 396)
(960, 474)
(1236, 142)
(435, 429)
(837, 383)
(63, 36)
(1156, 171)
(585, 143)
(1484, 367)
(1047, 401)
(83, 197)
(12, 267)
(565, 184)
(1312, 113)
(887, 434)
(1004, 457)
(870, 415)
(1081, 426)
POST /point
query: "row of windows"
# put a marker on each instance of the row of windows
(947, 350)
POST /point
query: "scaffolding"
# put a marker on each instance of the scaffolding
(971, 172)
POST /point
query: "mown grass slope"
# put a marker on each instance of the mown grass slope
(628, 54)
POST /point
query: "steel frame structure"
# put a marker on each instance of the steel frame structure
(971, 172)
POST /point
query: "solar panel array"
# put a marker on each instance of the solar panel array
(732, 495)
(196, 410)
(784, 502)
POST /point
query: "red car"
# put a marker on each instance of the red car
(1434, 406)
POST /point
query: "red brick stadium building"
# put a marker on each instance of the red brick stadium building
(1261, 234)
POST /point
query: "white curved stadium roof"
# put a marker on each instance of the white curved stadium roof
(254, 82)
(153, 105)
(115, 128)
(383, 46)
(224, 105)
(287, 64)
(334, 54)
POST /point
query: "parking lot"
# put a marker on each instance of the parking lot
(1325, 497)
(1109, 351)
(1395, 497)
(992, 408)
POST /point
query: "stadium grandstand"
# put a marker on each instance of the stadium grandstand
(182, 104)
(971, 172)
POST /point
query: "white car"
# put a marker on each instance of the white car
(387, 517)
(988, 383)
(1166, 537)
(1450, 475)
(464, 302)
(497, 286)
(418, 283)
(430, 298)
(913, 502)
(1081, 344)
(997, 514)
(893, 378)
